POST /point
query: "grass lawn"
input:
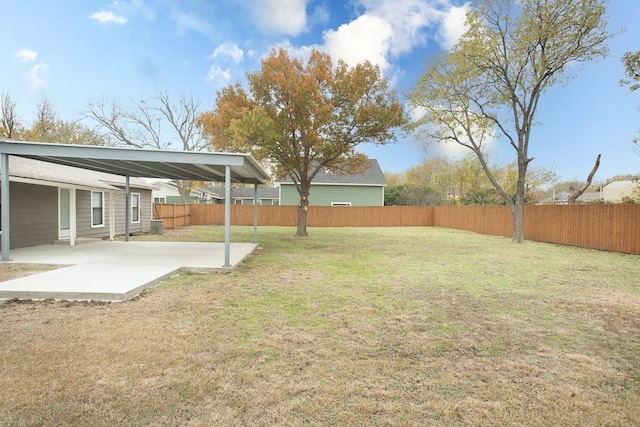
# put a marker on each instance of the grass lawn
(350, 327)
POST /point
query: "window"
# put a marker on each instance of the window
(97, 209)
(340, 203)
(159, 200)
(135, 207)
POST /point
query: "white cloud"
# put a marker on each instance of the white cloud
(190, 21)
(301, 53)
(366, 38)
(452, 26)
(286, 17)
(230, 50)
(106, 18)
(408, 19)
(450, 149)
(26, 55)
(387, 29)
(35, 76)
(218, 75)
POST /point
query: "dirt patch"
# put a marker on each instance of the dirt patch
(14, 271)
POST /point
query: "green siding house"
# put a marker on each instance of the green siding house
(332, 189)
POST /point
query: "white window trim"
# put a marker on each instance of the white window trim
(101, 205)
(133, 195)
(160, 200)
(340, 203)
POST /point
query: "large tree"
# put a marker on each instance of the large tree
(489, 85)
(140, 125)
(631, 62)
(10, 125)
(49, 127)
(305, 117)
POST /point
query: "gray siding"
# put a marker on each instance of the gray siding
(33, 214)
(83, 213)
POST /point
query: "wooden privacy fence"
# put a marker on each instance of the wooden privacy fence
(173, 216)
(606, 227)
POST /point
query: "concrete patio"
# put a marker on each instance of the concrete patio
(113, 271)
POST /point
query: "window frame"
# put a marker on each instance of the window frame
(93, 210)
(133, 219)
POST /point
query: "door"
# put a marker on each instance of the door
(64, 213)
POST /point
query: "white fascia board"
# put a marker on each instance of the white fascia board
(63, 184)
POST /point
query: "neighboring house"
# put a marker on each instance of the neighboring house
(43, 195)
(615, 191)
(167, 192)
(244, 196)
(589, 197)
(333, 189)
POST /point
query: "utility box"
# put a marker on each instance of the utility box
(157, 226)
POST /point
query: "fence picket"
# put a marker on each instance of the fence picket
(606, 227)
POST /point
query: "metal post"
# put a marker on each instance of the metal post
(255, 213)
(73, 227)
(127, 201)
(4, 200)
(227, 216)
(112, 216)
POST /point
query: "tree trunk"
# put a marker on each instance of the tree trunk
(184, 189)
(303, 207)
(517, 212)
(517, 208)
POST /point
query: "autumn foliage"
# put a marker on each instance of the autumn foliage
(304, 117)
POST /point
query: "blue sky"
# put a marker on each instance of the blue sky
(73, 51)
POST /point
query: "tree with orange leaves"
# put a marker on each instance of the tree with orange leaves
(304, 117)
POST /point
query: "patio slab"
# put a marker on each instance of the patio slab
(114, 271)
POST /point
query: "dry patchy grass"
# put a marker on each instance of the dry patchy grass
(398, 326)
(14, 271)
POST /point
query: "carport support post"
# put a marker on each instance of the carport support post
(227, 216)
(126, 208)
(4, 199)
(73, 228)
(255, 213)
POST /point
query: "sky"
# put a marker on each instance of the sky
(76, 51)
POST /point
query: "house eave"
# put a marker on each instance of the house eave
(61, 184)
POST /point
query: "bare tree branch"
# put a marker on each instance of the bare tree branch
(9, 121)
(575, 193)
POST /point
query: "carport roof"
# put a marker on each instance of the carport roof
(198, 166)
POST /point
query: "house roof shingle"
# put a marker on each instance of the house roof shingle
(244, 193)
(50, 173)
(372, 176)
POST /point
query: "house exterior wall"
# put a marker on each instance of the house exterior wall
(33, 211)
(246, 201)
(83, 214)
(616, 190)
(171, 194)
(178, 200)
(325, 195)
(34, 214)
